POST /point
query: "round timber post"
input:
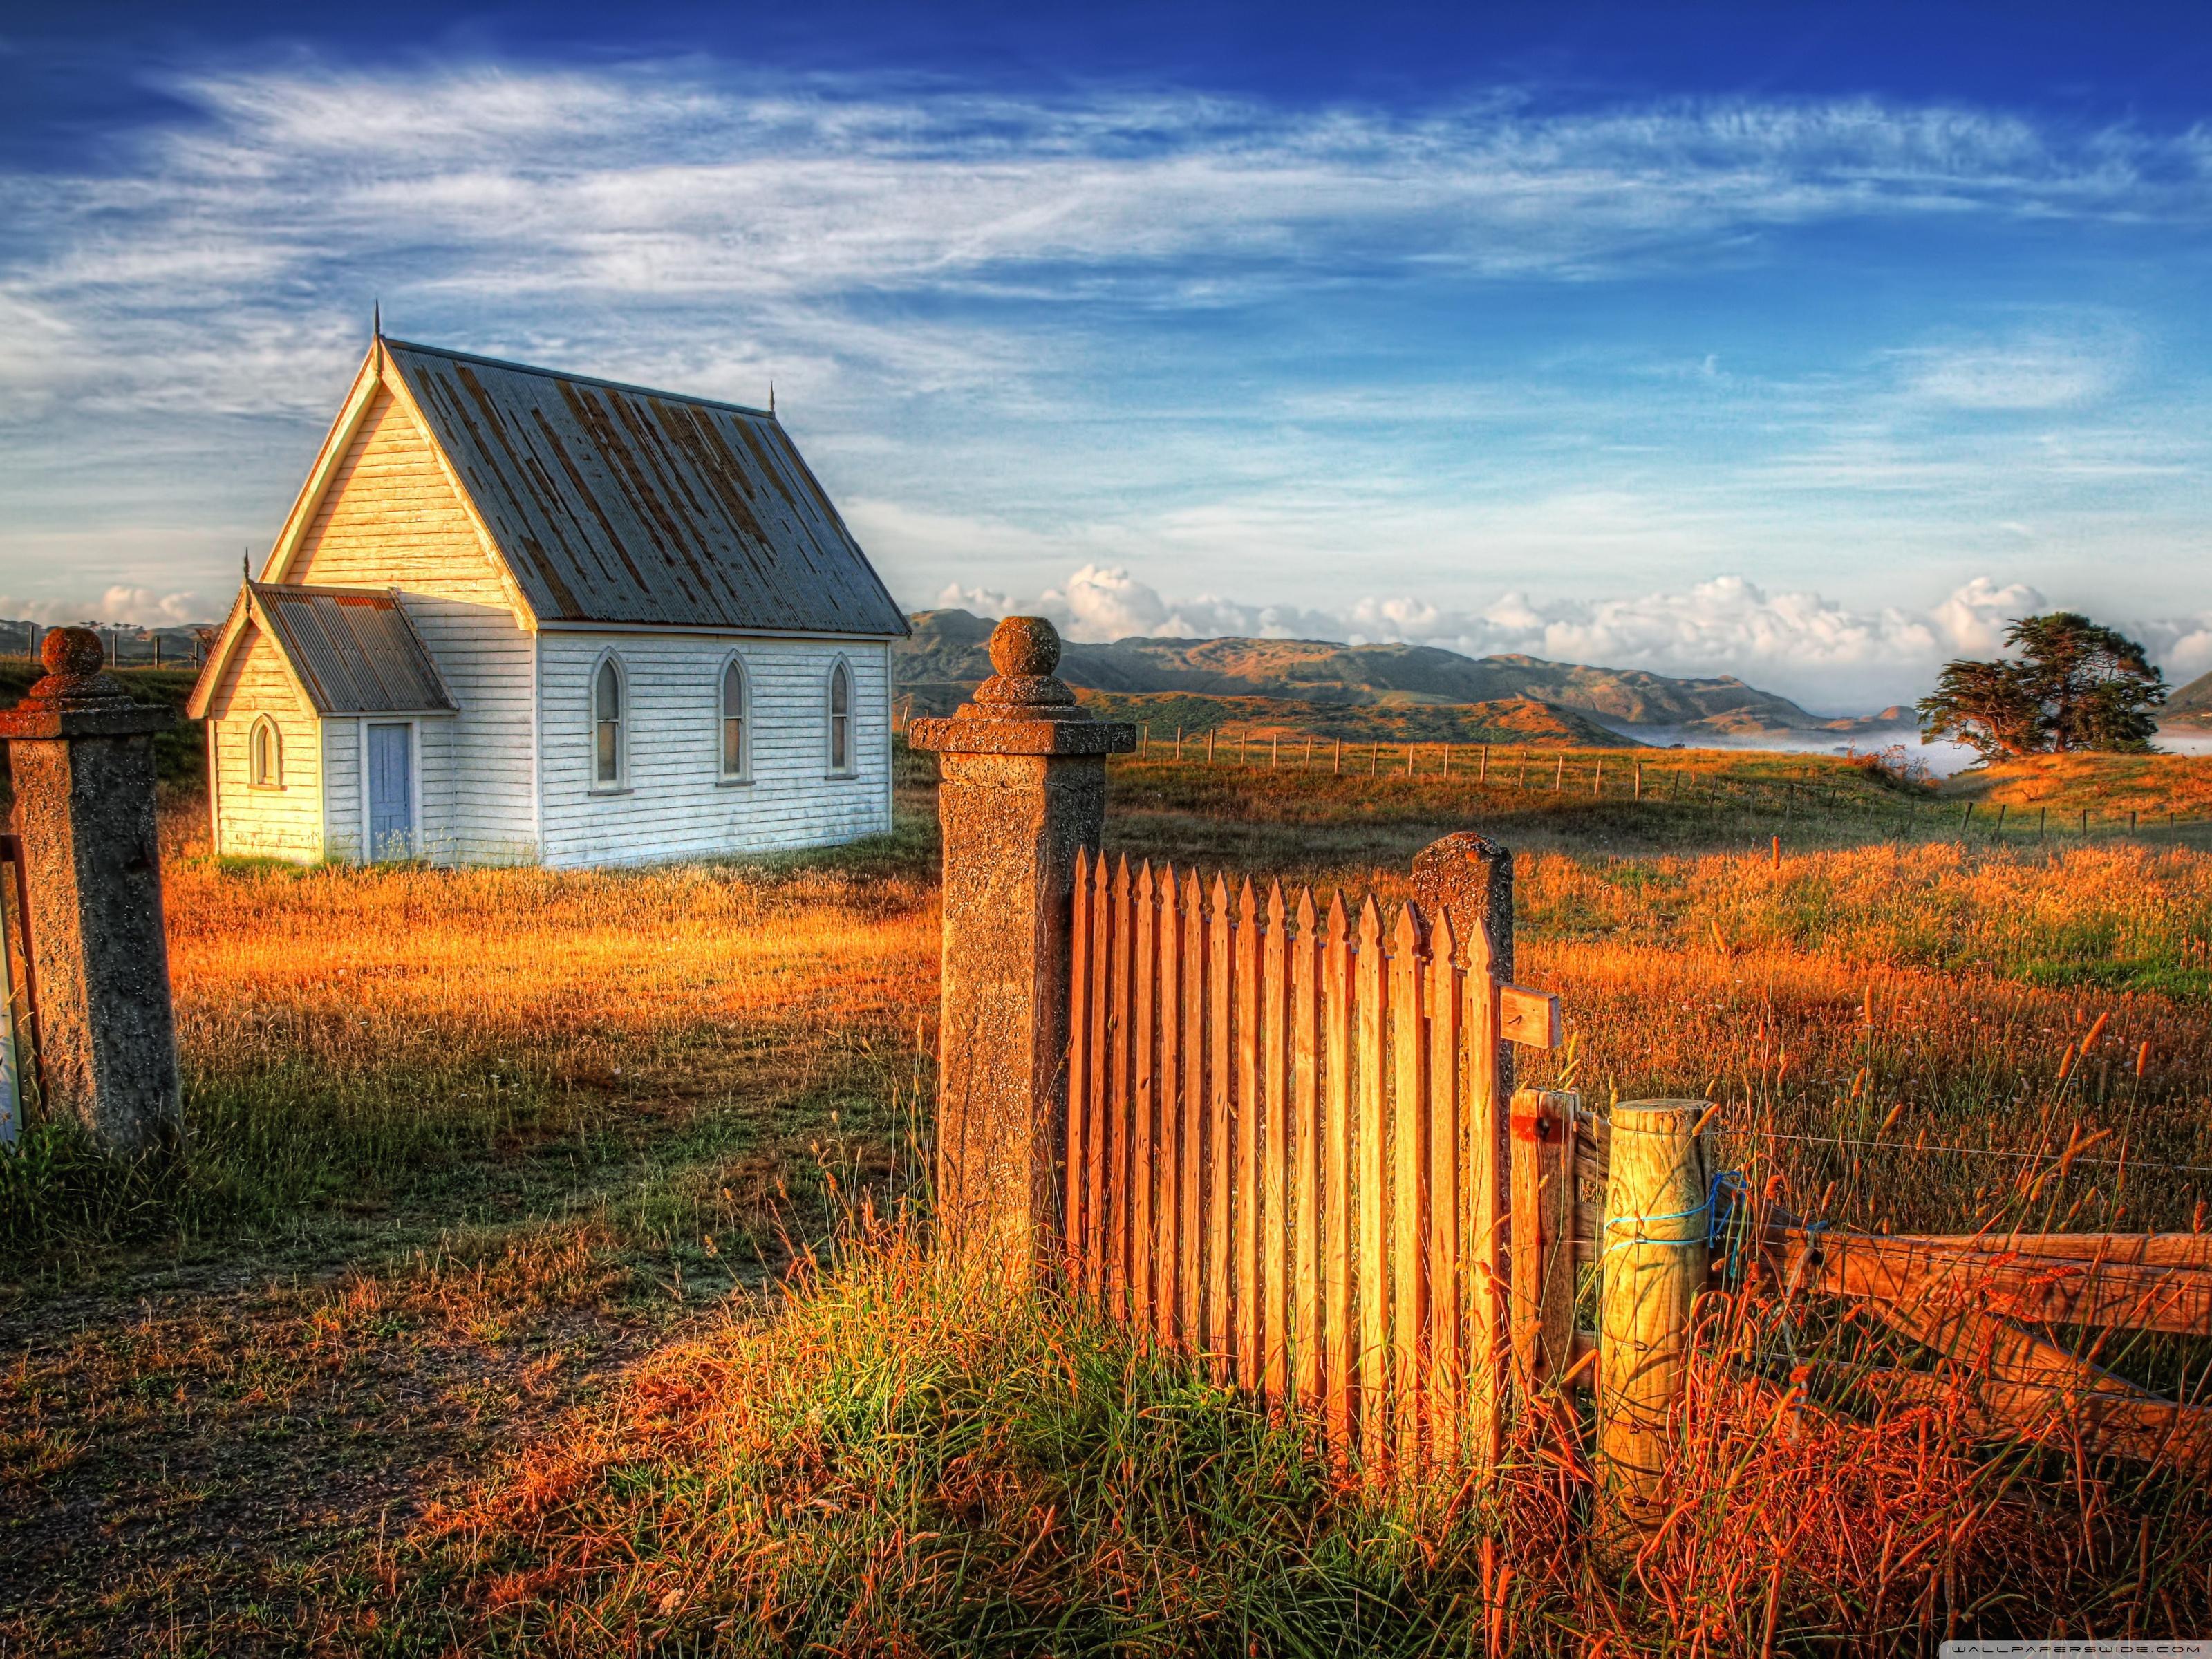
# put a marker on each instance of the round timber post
(1653, 1262)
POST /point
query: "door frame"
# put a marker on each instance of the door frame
(414, 784)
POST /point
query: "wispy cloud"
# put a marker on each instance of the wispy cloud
(1303, 350)
(2036, 371)
(675, 187)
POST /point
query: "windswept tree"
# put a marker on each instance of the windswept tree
(2075, 684)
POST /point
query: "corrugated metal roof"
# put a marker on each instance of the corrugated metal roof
(614, 504)
(354, 649)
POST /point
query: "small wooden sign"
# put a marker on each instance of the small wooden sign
(1531, 1018)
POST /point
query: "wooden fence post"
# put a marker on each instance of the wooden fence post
(1024, 788)
(1542, 1183)
(1653, 1262)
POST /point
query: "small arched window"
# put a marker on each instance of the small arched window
(607, 726)
(264, 754)
(840, 718)
(735, 760)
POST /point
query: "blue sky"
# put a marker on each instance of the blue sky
(1806, 344)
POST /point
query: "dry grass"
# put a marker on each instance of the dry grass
(2108, 787)
(905, 1462)
(459, 1144)
(455, 1335)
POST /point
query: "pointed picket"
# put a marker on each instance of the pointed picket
(1409, 1179)
(1144, 1129)
(1220, 1165)
(1339, 1336)
(1371, 994)
(1245, 1125)
(1307, 1002)
(1191, 1169)
(1082, 1115)
(1446, 1402)
(1272, 1233)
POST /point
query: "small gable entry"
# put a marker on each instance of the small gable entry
(519, 615)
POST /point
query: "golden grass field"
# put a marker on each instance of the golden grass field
(464, 1330)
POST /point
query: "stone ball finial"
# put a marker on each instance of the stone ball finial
(1024, 647)
(73, 653)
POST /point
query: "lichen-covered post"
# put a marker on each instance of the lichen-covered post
(81, 754)
(1021, 787)
(1472, 876)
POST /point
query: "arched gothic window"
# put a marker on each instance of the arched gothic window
(840, 718)
(264, 754)
(607, 757)
(736, 761)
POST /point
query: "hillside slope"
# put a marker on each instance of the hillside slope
(947, 653)
(1521, 722)
(2192, 703)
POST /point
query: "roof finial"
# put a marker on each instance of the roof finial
(376, 318)
(771, 396)
(245, 564)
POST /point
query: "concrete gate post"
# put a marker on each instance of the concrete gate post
(81, 754)
(1023, 785)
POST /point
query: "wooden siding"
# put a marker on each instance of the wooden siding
(341, 803)
(391, 519)
(287, 823)
(675, 806)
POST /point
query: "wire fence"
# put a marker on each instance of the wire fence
(1622, 776)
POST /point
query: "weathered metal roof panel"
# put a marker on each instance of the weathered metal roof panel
(614, 504)
(355, 650)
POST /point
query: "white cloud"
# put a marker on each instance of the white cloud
(1799, 643)
(141, 606)
(2037, 372)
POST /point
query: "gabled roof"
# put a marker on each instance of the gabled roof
(610, 503)
(352, 650)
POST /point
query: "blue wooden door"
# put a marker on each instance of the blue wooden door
(390, 791)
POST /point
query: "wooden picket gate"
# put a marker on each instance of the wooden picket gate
(1284, 1150)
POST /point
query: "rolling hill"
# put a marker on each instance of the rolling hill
(2192, 703)
(947, 654)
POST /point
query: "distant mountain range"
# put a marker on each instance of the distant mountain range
(948, 654)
